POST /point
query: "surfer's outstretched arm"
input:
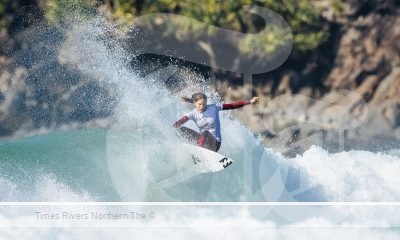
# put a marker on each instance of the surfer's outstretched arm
(228, 106)
(181, 121)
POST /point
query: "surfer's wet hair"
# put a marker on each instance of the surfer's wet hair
(195, 97)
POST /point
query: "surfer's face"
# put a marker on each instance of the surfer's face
(200, 105)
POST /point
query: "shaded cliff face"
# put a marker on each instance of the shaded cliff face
(363, 57)
(301, 100)
(39, 91)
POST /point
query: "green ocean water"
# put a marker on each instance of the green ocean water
(117, 165)
(75, 158)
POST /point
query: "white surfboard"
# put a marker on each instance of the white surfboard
(205, 160)
(191, 161)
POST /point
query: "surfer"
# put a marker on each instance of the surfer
(207, 119)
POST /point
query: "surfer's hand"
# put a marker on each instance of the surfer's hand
(254, 100)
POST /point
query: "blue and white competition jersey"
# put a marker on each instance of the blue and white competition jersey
(208, 120)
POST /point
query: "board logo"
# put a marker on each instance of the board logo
(227, 163)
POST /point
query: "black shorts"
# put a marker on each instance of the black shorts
(210, 142)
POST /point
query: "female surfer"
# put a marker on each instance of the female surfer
(207, 119)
